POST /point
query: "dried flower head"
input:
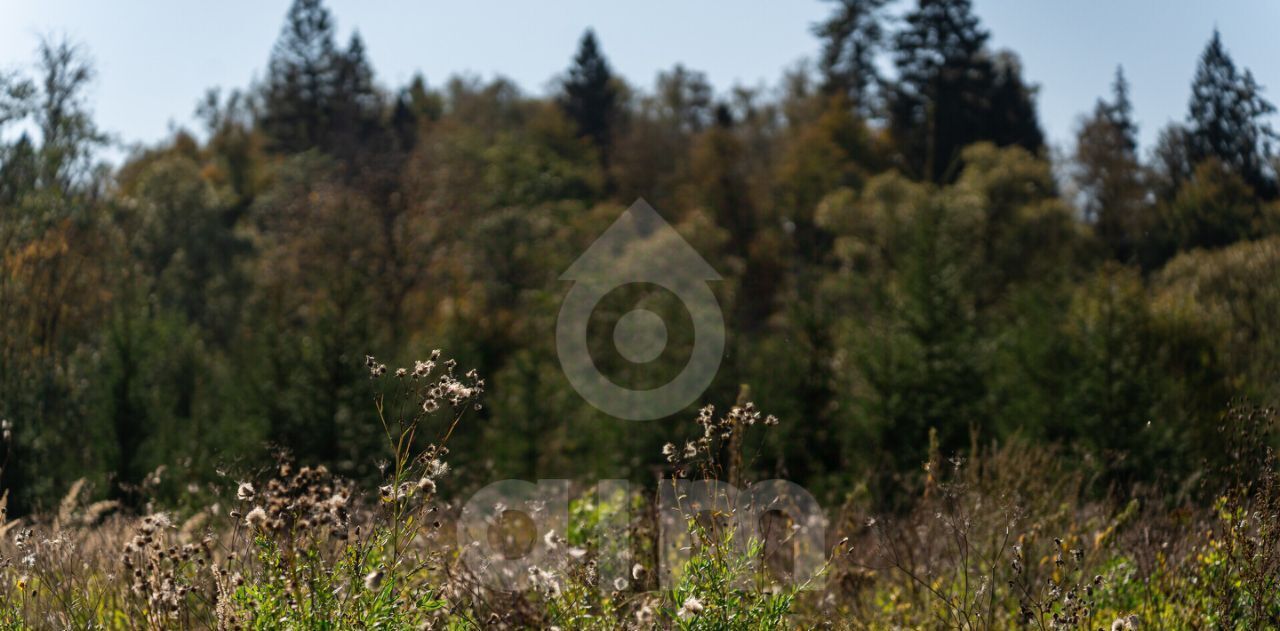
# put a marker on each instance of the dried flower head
(1125, 623)
(257, 518)
(691, 607)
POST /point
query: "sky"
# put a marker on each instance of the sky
(156, 59)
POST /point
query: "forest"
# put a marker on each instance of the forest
(1028, 387)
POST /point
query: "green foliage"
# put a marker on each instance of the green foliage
(851, 38)
(1226, 119)
(710, 592)
(590, 97)
(1215, 208)
(952, 92)
(317, 95)
(340, 595)
(1109, 175)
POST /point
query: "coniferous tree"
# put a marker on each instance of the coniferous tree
(851, 37)
(1119, 112)
(301, 79)
(403, 122)
(1108, 172)
(318, 95)
(938, 56)
(1011, 113)
(590, 98)
(1171, 162)
(1226, 119)
(413, 104)
(355, 106)
(951, 93)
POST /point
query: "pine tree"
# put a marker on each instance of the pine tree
(302, 75)
(1119, 112)
(590, 97)
(1011, 113)
(1171, 165)
(1108, 171)
(951, 93)
(404, 122)
(937, 54)
(851, 37)
(1226, 119)
(319, 96)
(356, 104)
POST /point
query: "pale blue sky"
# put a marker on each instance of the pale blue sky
(155, 59)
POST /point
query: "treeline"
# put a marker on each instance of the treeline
(902, 262)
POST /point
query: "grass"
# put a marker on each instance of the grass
(1005, 536)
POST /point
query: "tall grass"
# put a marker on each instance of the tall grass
(1002, 536)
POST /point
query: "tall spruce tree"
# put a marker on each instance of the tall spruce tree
(951, 92)
(301, 79)
(590, 98)
(319, 96)
(355, 104)
(1119, 112)
(1227, 119)
(1010, 117)
(851, 37)
(1108, 172)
